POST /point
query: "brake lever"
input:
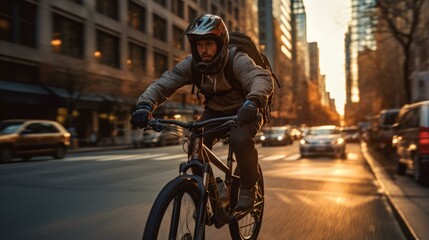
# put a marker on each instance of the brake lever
(155, 125)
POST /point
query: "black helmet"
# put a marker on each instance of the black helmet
(208, 26)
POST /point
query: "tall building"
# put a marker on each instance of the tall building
(314, 61)
(300, 61)
(275, 36)
(85, 62)
(302, 52)
(363, 25)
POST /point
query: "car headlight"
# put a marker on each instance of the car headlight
(339, 141)
(262, 138)
(303, 141)
(280, 138)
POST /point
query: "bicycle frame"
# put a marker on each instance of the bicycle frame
(200, 157)
(197, 180)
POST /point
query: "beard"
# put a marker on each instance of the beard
(206, 58)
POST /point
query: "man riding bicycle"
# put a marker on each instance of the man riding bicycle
(208, 38)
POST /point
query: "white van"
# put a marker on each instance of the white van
(412, 140)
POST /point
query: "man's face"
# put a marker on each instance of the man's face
(206, 49)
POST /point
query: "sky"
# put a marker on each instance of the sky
(327, 22)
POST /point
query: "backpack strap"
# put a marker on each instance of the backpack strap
(264, 57)
(196, 79)
(229, 71)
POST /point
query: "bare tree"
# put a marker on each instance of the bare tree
(401, 19)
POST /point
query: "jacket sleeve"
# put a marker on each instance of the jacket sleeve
(256, 81)
(169, 82)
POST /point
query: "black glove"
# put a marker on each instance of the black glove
(140, 117)
(247, 113)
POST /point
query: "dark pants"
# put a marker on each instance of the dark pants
(242, 142)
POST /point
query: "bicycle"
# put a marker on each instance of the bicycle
(196, 198)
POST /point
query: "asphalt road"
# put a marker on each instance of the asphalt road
(108, 194)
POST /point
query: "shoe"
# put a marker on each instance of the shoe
(246, 198)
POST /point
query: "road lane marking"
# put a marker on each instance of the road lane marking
(113, 158)
(172, 157)
(293, 157)
(273, 157)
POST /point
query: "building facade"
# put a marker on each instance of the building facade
(275, 35)
(85, 62)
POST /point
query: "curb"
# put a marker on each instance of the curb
(403, 223)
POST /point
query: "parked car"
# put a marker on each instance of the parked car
(351, 134)
(323, 140)
(151, 138)
(30, 138)
(386, 119)
(412, 140)
(276, 136)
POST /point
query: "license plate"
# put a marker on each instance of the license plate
(320, 148)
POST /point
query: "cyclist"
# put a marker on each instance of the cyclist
(208, 38)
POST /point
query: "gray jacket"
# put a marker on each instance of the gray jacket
(256, 82)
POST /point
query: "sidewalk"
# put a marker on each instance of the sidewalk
(409, 201)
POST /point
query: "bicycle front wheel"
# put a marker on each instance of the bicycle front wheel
(174, 213)
(249, 226)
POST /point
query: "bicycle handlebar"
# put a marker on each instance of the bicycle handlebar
(154, 123)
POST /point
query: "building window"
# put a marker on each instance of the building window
(204, 4)
(214, 9)
(159, 28)
(161, 2)
(230, 6)
(161, 62)
(236, 14)
(137, 57)
(109, 8)
(177, 38)
(177, 7)
(18, 22)
(136, 16)
(230, 25)
(192, 14)
(107, 51)
(223, 17)
(67, 36)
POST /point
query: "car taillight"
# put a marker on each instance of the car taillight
(424, 140)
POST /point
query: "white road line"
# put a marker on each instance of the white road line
(115, 157)
(293, 157)
(273, 157)
(172, 157)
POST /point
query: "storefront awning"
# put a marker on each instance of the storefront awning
(24, 93)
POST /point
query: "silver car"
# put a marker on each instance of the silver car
(323, 140)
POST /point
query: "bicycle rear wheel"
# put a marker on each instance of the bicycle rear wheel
(249, 226)
(173, 215)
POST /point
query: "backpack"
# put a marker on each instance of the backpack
(238, 42)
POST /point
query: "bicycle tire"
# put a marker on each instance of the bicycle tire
(182, 191)
(248, 227)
